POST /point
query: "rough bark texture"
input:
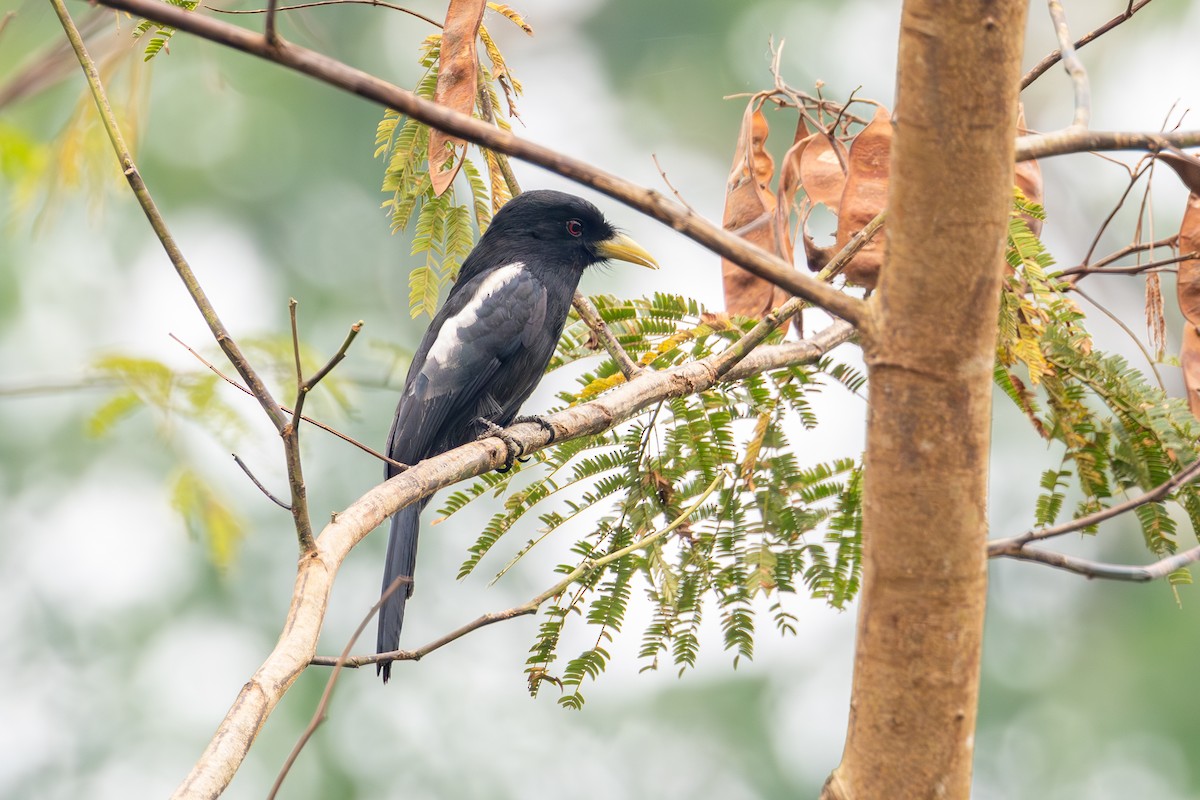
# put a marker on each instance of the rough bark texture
(930, 345)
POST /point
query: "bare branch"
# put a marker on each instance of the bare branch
(269, 32)
(299, 507)
(1097, 569)
(1129, 249)
(237, 460)
(1135, 174)
(316, 572)
(754, 259)
(1072, 140)
(1074, 67)
(1132, 269)
(1049, 61)
(1007, 547)
(662, 173)
(335, 359)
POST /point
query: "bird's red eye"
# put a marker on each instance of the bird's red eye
(574, 227)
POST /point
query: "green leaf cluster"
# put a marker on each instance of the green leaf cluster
(1118, 432)
(162, 33)
(443, 225)
(777, 528)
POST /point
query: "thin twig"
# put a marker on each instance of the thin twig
(379, 3)
(1098, 569)
(1010, 545)
(1074, 67)
(319, 715)
(1134, 176)
(1117, 255)
(1049, 61)
(530, 607)
(347, 439)
(663, 174)
(1132, 269)
(292, 306)
(258, 483)
(335, 359)
(591, 316)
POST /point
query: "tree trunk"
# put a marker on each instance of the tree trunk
(929, 344)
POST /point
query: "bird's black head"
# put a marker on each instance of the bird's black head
(551, 230)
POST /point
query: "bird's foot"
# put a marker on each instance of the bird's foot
(511, 445)
(542, 423)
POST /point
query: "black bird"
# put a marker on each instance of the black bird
(487, 347)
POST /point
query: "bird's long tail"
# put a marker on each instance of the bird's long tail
(401, 559)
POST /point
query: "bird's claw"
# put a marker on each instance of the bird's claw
(512, 446)
(542, 423)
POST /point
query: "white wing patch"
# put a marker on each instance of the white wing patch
(448, 336)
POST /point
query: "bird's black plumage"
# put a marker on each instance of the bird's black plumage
(487, 347)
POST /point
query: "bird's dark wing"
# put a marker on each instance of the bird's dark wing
(483, 356)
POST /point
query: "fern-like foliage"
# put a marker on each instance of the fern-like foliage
(162, 33)
(777, 527)
(443, 225)
(1118, 432)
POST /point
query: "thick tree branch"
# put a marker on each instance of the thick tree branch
(754, 259)
(314, 580)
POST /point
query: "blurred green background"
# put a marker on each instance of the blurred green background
(123, 641)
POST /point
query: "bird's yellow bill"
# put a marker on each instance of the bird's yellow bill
(623, 248)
